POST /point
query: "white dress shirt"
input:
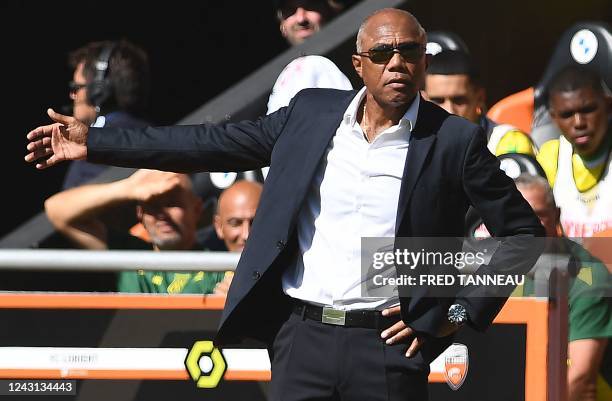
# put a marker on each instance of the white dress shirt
(354, 193)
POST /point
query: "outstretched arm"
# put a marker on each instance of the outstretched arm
(246, 145)
(77, 212)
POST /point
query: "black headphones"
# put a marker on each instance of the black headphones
(99, 90)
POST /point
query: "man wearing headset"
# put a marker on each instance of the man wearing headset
(109, 88)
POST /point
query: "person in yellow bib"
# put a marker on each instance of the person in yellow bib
(577, 164)
(454, 83)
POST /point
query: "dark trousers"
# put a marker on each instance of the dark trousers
(317, 361)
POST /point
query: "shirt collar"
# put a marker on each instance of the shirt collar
(100, 122)
(408, 120)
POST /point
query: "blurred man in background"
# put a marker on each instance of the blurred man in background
(578, 163)
(109, 88)
(454, 83)
(590, 305)
(299, 19)
(168, 211)
(233, 219)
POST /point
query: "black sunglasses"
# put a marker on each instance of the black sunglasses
(73, 87)
(383, 53)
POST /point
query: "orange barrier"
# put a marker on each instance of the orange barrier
(107, 361)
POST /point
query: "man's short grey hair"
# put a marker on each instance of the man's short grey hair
(367, 19)
(529, 181)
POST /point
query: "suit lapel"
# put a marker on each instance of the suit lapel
(421, 141)
(325, 129)
(318, 141)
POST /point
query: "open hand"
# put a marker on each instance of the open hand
(51, 144)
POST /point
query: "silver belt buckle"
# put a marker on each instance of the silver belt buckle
(333, 316)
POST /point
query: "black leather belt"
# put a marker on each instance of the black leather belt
(367, 319)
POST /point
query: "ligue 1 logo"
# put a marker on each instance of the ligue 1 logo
(456, 363)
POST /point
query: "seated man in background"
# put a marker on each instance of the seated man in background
(167, 209)
(577, 164)
(232, 221)
(235, 213)
(453, 82)
(590, 305)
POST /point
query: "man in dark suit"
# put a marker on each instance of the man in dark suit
(343, 165)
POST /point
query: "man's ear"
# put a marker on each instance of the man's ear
(218, 226)
(356, 59)
(139, 213)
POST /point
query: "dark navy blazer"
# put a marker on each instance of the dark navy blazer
(448, 167)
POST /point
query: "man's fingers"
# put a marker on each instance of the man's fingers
(402, 335)
(33, 146)
(59, 118)
(39, 132)
(39, 144)
(417, 343)
(38, 153)
(396, 328)
(391, 311)
(44, 163)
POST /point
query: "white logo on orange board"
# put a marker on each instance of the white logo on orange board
(456, 362)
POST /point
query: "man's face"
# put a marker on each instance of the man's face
(234, 218)
(82, 110)
(396, 82)
(582, 116)
(455, 94)
(548, 215)
(171, 220)
(302, 18)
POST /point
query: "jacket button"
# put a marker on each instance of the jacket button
(280, 244)
(256, 275)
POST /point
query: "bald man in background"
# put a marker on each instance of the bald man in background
(232, 221)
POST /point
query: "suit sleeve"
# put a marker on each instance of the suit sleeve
(509, 218)
(239, 146)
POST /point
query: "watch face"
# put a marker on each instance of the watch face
(457, 314)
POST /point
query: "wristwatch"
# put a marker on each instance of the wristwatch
(457, 314)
